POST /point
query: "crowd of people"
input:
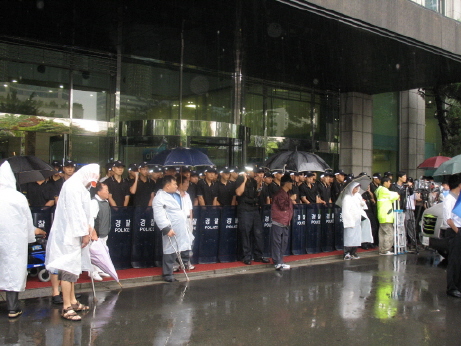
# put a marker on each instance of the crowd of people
(173, 191)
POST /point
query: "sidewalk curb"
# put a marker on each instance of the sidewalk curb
(151, 280)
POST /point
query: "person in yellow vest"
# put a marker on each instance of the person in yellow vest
(384, 199)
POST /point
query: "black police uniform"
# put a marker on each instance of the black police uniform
(226, 192)
(143, 192)
(250, 220)
(208, 192)
(309, 192)
(38, 194)
(324, 192)
(118, 190)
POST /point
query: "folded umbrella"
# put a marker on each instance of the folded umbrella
(100, 257)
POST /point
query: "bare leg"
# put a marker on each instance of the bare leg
(67, 293)
(54, 285)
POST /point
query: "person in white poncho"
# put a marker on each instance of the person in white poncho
(16, 230)
(69, 234)
(352, 216)
(172, 221)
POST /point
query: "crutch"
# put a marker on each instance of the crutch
(178, 254)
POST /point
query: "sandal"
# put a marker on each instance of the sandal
(70, 314)
(80, 307)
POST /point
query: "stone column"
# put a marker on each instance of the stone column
(356, 133)
(412, 132)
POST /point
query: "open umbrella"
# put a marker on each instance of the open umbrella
(433, 162)
(181, 157)
(296, 161)
(99, 254)
(449, 167)
(363, 180)
(29, 168)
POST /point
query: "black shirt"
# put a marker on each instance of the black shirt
(208, 192)
(249, 200)
(226, 192)
(324, 192)
(38, 195)
(273, 188)
(295, 191)
(57, 186)
(118, 190)
(192, 191)
(403, 191)
(309, 192)
(264, 194)
(143, 192)
(336, 189)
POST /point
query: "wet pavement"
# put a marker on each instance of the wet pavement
(377, 300)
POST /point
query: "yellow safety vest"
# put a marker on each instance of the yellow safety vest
(384, 199)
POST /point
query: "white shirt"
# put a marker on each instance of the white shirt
(448, 204)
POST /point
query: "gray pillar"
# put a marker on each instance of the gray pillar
(356, 140)
(412, 132)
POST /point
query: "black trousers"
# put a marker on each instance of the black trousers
(250, 224)
(169, 260)
(12, 300)
(454, 260)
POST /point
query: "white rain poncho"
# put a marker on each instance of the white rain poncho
(168, 213)
(352, 214)
(16, 231)
(71, 222)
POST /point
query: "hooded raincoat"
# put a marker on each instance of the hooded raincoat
(352, 214)
(168, 213)
(16, 230)
(71, 222)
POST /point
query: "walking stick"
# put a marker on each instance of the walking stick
(178, 255)
(94, 291)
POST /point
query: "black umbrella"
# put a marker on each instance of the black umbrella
(296, 161)
(28, 169)
(181, 157)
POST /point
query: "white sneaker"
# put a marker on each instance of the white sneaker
(285, 266)
(347, 257)
(387, 253)
(278, 267)
(103, 275)
(96, 276)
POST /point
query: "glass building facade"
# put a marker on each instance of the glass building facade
(128, 79)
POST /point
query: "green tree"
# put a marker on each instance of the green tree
(448, 113)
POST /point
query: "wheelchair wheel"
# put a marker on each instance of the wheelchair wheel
(33, 272)
(44, 275)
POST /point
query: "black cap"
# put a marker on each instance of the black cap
(156, 169)
(386, 174)
(410, 179)
(225, 170)
(280, 171)
(259, 170)
(210, 169)
(286, 178)
(309, 174)
(340, 172)
(142, 165)
(234, 169)
(363, 173)
(133, 167)
(68, 163)
(268, 175)
(108, 166)
(56, 163)
(184, 169)
(118, 163)
(376, 176)
(193, 174)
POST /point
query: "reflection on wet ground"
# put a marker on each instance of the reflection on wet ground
(380, 300)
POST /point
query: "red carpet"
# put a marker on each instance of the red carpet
(156, 271)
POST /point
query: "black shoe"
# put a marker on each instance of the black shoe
(170, 279)
(247, 262)
(14, 314)
(454, 293)
(262, 259)
(57, 299)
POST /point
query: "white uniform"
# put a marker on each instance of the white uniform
(168, 213)
(16, 230)
(71, 222)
